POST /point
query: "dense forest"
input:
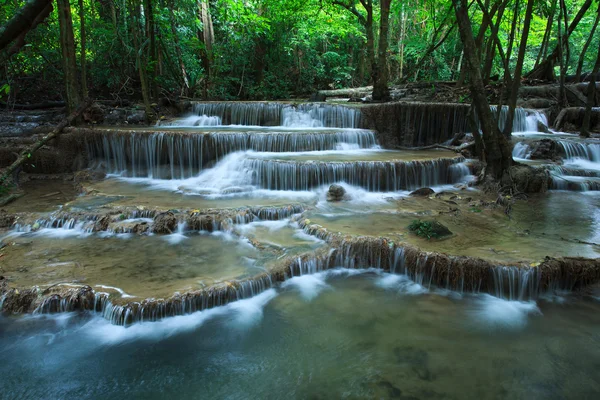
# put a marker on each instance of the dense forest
(277, 49)
(154, 52)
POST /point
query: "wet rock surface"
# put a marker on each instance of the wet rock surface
(526, 179)
(336, 193)
(545, 149)
(164, 223)
(422, 192)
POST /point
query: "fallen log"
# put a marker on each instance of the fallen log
(350, 92)
(26, 154)
(571, 118)
(36, 106)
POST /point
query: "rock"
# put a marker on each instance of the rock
(429, 229)
(318, 97)
(423, 192)
(101, 224)
(94, 114)
(114, 117)
(526, 179)
(88, 175)
(336, 193)
(200, 222)
(6, 219)
(541, 127)
(137, 117)
(545, 149)
(165, 222)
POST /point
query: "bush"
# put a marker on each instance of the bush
(428, 230)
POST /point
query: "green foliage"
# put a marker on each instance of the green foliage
(423, 229)
(264, 49)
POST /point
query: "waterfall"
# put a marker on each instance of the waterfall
(533, 119)
(586, 151)
(371, 175)
(193, 121)
(309, 115)
(521, 151)
(179, 156)
(520, 120)
(515, 283)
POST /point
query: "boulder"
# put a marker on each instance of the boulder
(422, 192)
(336, 193)
(165, 222)
(6, 219)
(526, 179)
(137, 117)
(545, 149)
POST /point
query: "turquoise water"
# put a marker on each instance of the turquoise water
(338, 334)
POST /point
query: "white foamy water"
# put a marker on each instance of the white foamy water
(192, 121)
(491, 312)
(242, 314)
(400, 283)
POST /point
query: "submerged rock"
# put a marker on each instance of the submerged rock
(336, 193)
(423, 192)
(165, 222)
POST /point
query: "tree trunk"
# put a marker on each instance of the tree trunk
(21, 21)
(496, 148)
(587, 45)
(545, 70)
(381, 92)
(139, 61)
(151, 54)
(184, 76)
(370, 36)
(207, 38)
(516, 82)
(585, 126)
(84, 89)
(67, 44)
(546, 39)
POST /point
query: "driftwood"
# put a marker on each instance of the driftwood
(25, 154)
(456, 149)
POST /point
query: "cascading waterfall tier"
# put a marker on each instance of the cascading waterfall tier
(582, 150)
(313, 115)
(371, 175)
(178, 155)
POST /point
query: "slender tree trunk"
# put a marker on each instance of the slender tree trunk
(516, 82)
(151, 55)
(381, 91)
(139, 60)
(370, 37)
(591, 93)
(496, 148)
(184, 76)
(562, 44)
(545, 70)
(84, 88)
(67, 44)
(207, 37)
(587, 45)
(546, 39)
